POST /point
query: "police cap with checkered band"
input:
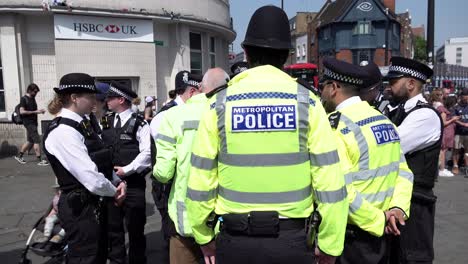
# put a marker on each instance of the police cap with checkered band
(344, 72)
(120, 90)
(185, 78)
(76, 83)
(402, 67)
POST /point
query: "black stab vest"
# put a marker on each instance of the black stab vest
(124, 144)
(423, 163)
(97, 151)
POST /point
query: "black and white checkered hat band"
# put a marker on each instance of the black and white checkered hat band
(117, 91)
(87, 86)
(193, 83)
(240, 69)
(410, 72)
(342, 78)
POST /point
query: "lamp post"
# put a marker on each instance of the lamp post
(386, 36)
(430, 32)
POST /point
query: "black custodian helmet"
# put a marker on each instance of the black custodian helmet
(268, 28)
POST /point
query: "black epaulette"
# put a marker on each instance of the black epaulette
(217, 90)
(140, 119)
(106, 120)
(334, 119)
(167, 106)
(308, 86)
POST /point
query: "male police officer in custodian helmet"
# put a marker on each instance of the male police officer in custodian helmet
(264, 154)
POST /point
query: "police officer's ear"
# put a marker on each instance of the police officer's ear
(412, 84)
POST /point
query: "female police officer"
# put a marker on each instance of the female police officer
(83, 169)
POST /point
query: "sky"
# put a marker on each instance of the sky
(450, 20)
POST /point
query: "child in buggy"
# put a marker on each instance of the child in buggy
(51, 243)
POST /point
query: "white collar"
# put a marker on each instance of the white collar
(348, 102)
(125, 114)
(179, 100)
(66, 113)
(411, 103)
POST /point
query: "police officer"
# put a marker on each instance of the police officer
(379, 182)
(238, 67)
(186, 85)
(420, 129)
(174, 145)
(263, 155)
(83, 169)
(128, 135)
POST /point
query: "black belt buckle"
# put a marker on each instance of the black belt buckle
(264, 223)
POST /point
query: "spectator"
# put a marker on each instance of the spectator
(461, 131)
(136, 105)
(172, 95)
(449, 127)
(149, 112)
(29, 112)
(445, 93)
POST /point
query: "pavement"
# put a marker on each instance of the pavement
(26, 193)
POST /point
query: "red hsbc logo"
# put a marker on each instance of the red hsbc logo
(112, 28)
(101, 28)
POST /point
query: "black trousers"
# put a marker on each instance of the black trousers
(362, 247)
(415, 245)
(289, 246)
(85, 227)
(133, 214)
(160, 194)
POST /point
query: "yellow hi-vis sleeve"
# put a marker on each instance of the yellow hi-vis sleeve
(166, 156)
(203, 179)
(327, 182)
(403, 188)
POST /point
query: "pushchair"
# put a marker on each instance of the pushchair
(56, 252)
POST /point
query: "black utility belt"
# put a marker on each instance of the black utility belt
(259, 223)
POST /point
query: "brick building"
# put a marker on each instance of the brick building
(355, 31)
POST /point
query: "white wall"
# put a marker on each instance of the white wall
(8, 49)
(451, 53)
(216, 11)
(301, 42)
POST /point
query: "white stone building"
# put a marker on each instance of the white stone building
(140, 42)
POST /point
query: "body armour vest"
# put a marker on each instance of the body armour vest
(123, 143)
(97, 151)
(423, 163)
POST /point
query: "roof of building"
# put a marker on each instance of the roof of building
(335, 11)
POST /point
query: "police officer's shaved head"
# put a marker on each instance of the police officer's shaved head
(214, 78)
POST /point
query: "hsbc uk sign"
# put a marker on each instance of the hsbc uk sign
(103, 28)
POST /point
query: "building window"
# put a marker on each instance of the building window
(2, 88)
(363, 28)
(196, 61)
(303, 51)
(326, 33)
(362, 55)
(212, 52)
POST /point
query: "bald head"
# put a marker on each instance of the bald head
(214, 78)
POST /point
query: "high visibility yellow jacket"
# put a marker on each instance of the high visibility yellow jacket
(174, 144)
(266, 145)
(376, 172)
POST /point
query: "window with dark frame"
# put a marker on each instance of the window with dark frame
(2, 87)
(363, 28)
(196, 58)
(212, 52)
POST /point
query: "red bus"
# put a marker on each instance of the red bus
(306, 71)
